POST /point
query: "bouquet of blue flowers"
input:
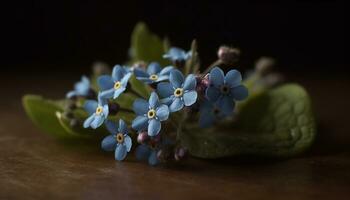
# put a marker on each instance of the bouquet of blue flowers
(162, 106)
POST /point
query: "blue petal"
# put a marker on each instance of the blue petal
(176, 78)
(153, 100)
(145, 80)
(120, 152)
(226, 104)
(166, 70)
(123, 128)
(109, 143)
(117, 73)
(176, 105)
(105, 110)
(101, 100)
(190, 97)
(71, 94)
(153, 68)
(82, 88)
(233, 78)
(165, 89)
(216, 77)
(85, 80)
(107, 93)
(162, 78)
(206, 120)
(125, 79)
(154, 127)
(98, 121)
(118, 91)
(88, 121)
(140, 73)
(175, 53)
(142, 152)
(111, 126)
(140, 106)
(162, 112)
(153, 160)
(105, 82)
(90, 106)
(127, 142)
(140, 123)
(168, 100)
(239, 93)
(212, 93)
(190, 82)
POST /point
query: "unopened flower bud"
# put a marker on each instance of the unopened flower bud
(164, 154)
(180, 153)
(228, 55)
(264, 65)
(142, 137)
(100, 68)
(202, 84)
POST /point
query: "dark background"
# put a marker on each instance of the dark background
(41, 37)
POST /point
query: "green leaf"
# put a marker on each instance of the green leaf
(43, 114)
(48, 116)
(277, 123)
(146, 46)
(142, 89)
(192, 65)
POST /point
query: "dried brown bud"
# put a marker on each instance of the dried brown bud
(142, 137)
(264, 65)
(228, 55)
(100, 68)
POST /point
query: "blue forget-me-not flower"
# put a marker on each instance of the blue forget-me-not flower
(225, 89)
(81, 88)
(209, 113)
(149, 114)
(179, 92)
(98, 112)
(119, 141)
(148, 152)
(176, 54)
(153, 74)
(113, 86)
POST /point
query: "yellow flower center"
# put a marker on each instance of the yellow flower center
(225, 89)
(151, 113)
(99, 110)
(117, 85)
(178, 92)
(119, 137)
(153, 77)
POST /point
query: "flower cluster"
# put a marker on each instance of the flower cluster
(174, 98)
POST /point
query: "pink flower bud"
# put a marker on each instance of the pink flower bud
(228, 55)
(142, 137)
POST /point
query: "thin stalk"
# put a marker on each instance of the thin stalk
(214, 64)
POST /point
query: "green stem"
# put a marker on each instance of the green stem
(214, 64)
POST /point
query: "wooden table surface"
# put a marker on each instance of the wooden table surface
(35, 166)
